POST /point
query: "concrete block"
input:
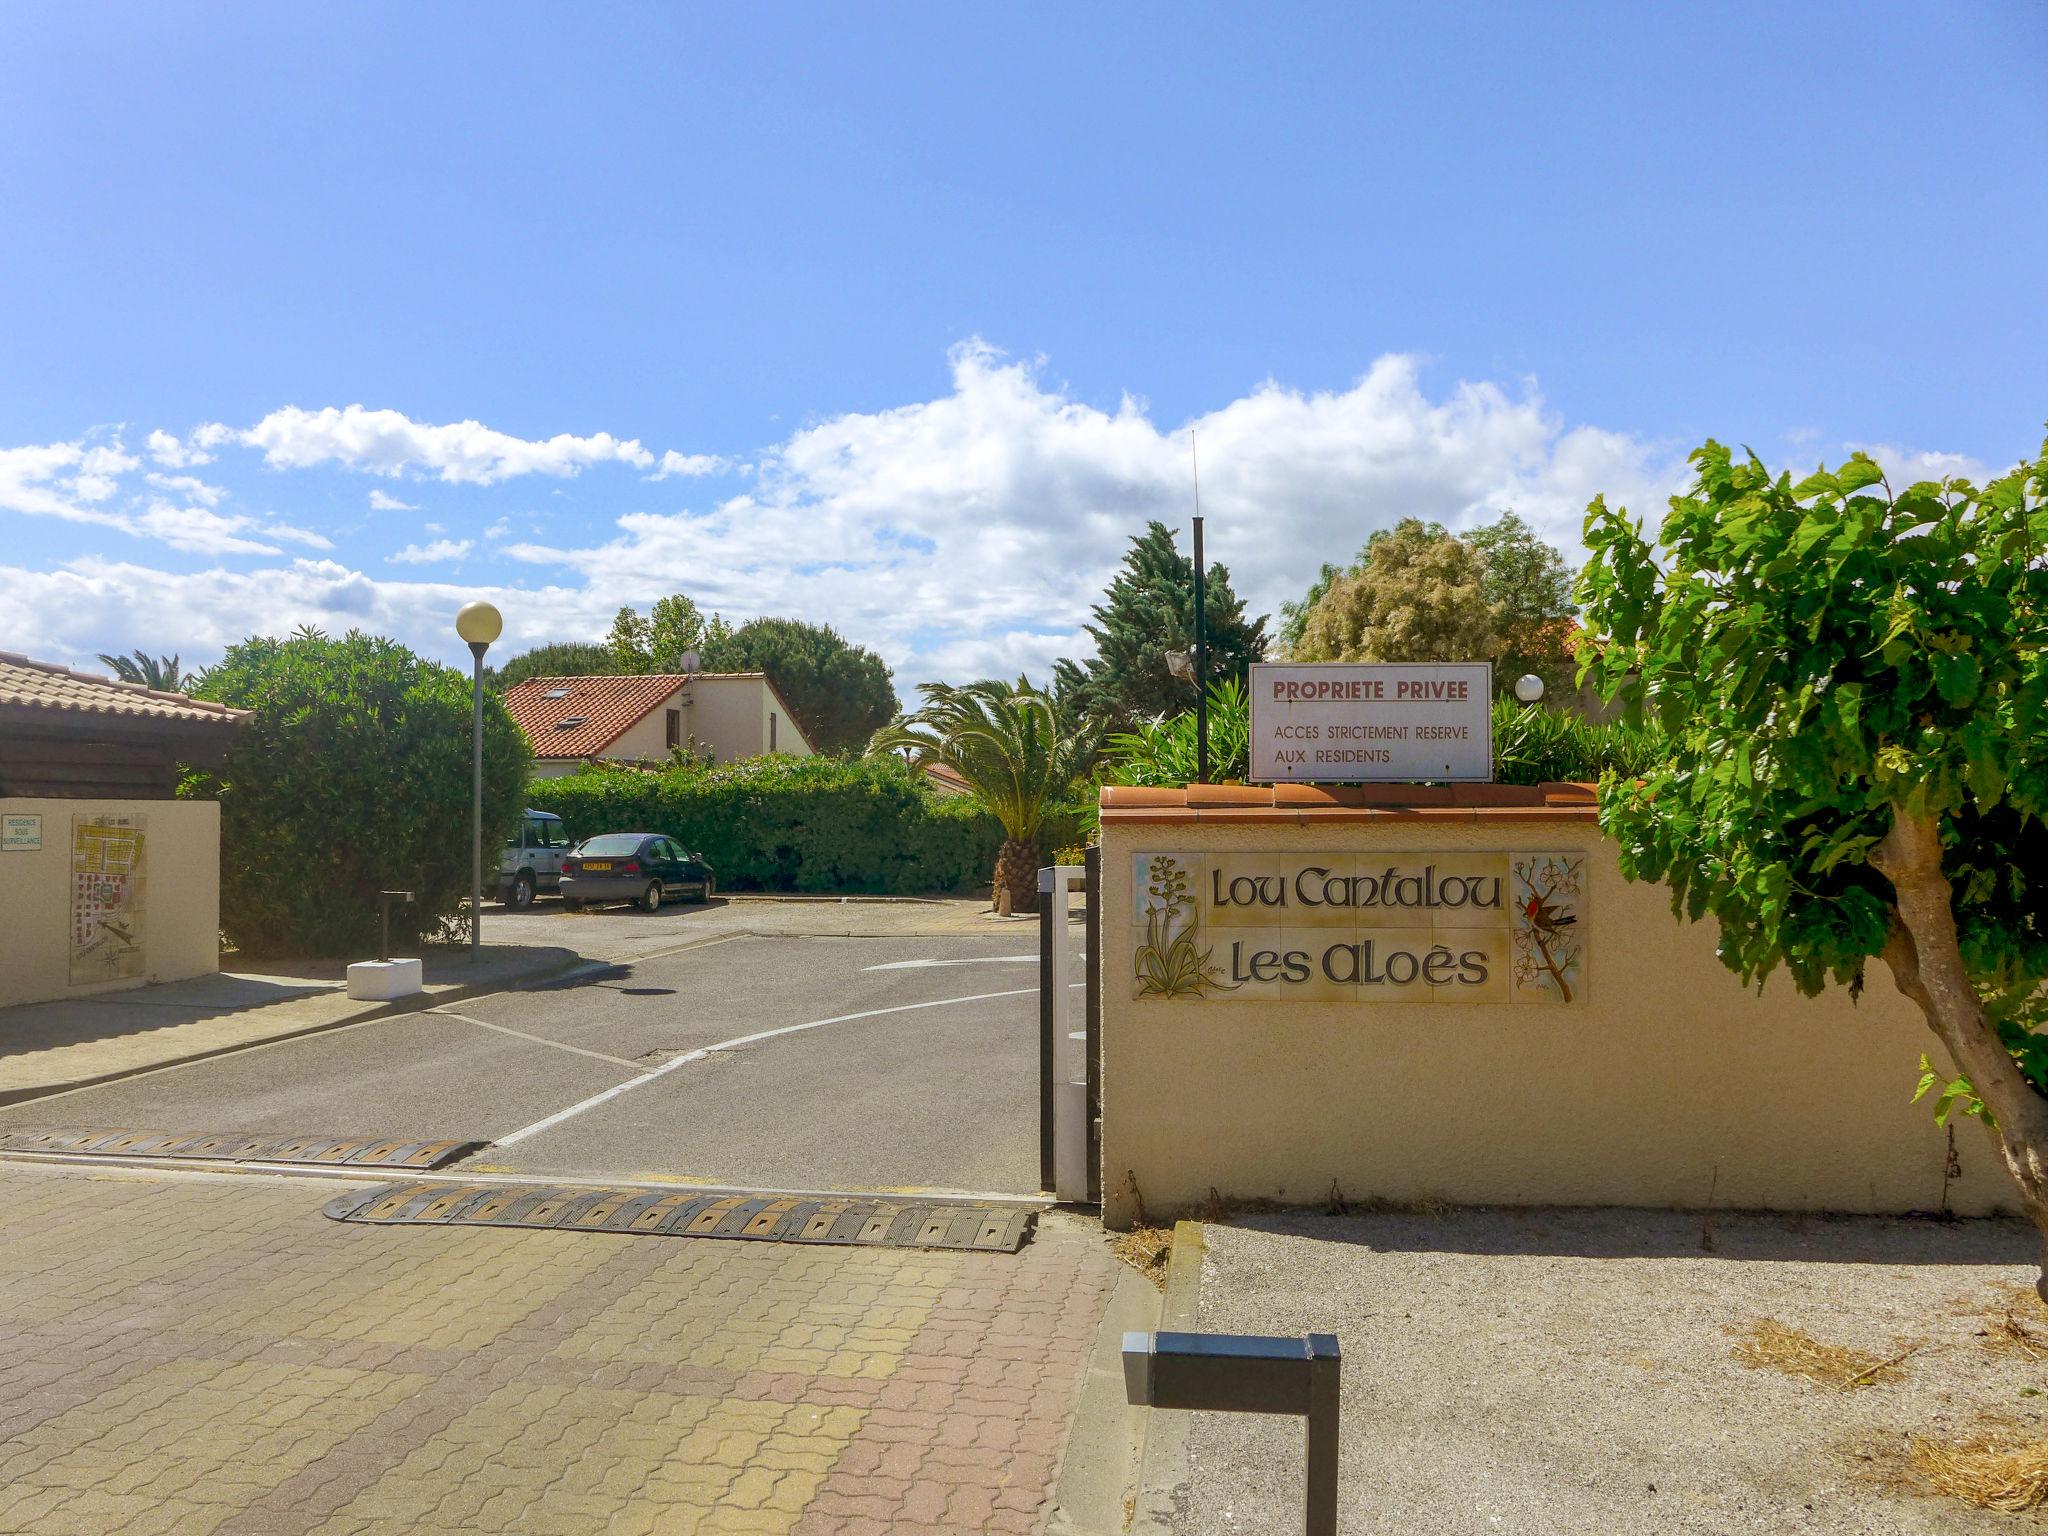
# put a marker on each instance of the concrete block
(377, 980)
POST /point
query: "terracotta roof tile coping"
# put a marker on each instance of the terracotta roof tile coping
(1316, 805)
(45, 685)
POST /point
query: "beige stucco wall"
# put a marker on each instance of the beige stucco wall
(181, 913)
(728, 716)
(646, 740)
(1668, 1085)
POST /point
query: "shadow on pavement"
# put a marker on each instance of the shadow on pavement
(1584, 1232)
(254, 988)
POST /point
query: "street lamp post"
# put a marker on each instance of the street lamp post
(479, 624)
(1201, 664)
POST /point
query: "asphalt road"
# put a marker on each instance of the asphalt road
(907, 1077)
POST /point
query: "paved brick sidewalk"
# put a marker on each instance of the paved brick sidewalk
(186, 1354)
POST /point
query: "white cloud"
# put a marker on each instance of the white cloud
(689, 465)
(429, 554)
(38, 482)
(382, 442)
(170, 453)
(381, 502)
(971, 533)
(1907, 466)
(200, 530)
(966, 535)
(94, 604)
(187, 486)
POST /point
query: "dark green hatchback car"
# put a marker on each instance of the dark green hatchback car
(644, 868)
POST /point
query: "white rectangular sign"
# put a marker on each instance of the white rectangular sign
(21, 834)
(1346, 722)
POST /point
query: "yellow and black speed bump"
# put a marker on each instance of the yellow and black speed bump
(657, 1212)
(244, 1147)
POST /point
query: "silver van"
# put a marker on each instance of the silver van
(532, 861)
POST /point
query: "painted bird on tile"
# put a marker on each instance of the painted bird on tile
(1545, 915)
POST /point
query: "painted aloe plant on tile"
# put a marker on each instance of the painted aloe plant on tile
(1171, 960)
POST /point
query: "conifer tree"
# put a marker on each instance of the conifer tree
(1148, 611)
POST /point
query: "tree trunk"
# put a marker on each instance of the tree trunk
(1017, 872)
(1927, 964)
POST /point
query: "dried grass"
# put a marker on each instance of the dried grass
(1771, 1345)
(2004, 1333)
(2002, 1471)
(1146, 1250)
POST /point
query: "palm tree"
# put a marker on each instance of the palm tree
(158, 672)
(1005, 740)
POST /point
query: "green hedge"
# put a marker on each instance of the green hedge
(868, 826)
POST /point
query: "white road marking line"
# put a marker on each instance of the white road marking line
(520, 1034)
(920, 965)
(701, 1052)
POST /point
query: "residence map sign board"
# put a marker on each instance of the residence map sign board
(1438, 927)
(1354, 722)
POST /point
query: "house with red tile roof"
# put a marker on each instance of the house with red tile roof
(640, 719)
(107, 880)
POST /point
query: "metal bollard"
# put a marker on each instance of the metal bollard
(384, 900)
(1245, 1373)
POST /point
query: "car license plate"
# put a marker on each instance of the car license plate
(597, 863)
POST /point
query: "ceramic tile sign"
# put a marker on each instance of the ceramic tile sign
(1438, 927)
(107, 907)
(21, 833)
(1357, 722)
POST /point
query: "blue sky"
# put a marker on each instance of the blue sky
(898, 317)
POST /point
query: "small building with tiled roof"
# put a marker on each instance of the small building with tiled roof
(643, 719)
(83, 737)
(107, 880)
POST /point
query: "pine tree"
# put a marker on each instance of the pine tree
(1149, 610)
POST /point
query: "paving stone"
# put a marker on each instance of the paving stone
(211, 1355)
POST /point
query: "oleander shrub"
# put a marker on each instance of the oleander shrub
(1538, 745)
(351, 777)
(865, 826)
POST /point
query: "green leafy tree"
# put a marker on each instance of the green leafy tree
(1005, 740)
(1523, 581)
(564, 658)
(1854, 683)
(630, 644)
(676, 628)
(1148, 611)
(840, 693)
(351, 777)
(159, 672)
(1528, 590)
(1420, 595)
(1294, 615)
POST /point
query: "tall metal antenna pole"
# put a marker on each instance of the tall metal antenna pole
(1201, 629)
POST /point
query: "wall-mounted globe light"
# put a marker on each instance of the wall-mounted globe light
(1529, 688)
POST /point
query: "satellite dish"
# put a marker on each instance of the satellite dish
(692, 661)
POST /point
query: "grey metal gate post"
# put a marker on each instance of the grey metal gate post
(1092, 862)
(1048, 1019)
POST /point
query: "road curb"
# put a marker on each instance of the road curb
(398, 1007)
(1105, 1436)
(1163, 1472)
